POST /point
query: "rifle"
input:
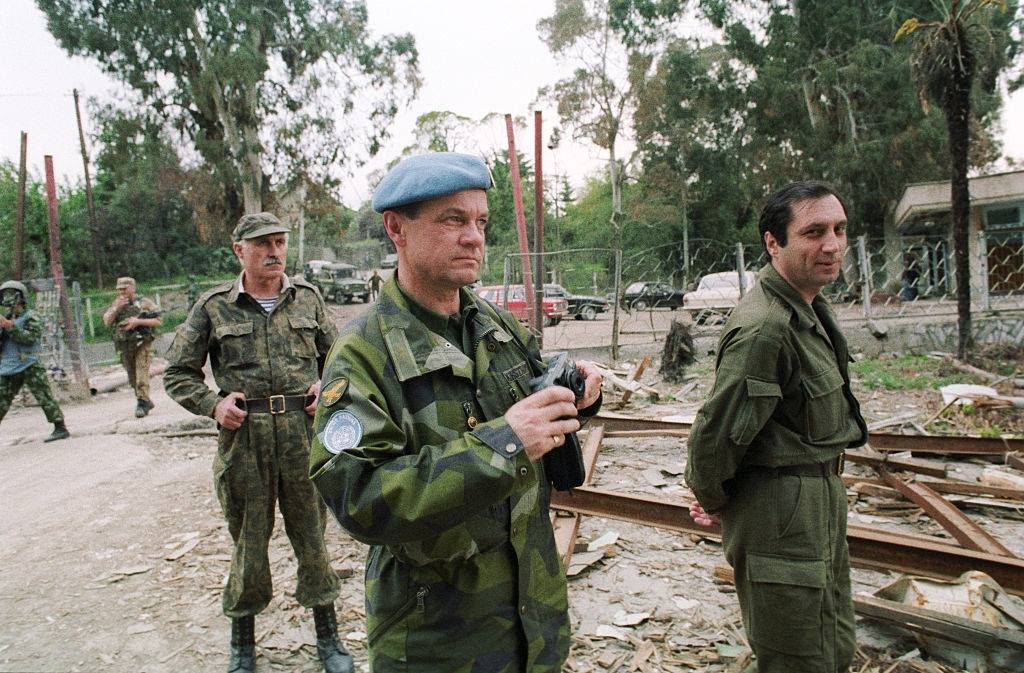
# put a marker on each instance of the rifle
(563, 464)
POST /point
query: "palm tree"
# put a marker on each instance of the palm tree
(944, 66)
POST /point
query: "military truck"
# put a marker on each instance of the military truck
(338, 282)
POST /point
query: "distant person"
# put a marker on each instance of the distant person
(766, 449)
(908, 279)
(134, 321)
(429, 445)
(375, 282)
(20, 332)
(266, 337)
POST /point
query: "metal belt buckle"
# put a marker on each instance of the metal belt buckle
(274, 409)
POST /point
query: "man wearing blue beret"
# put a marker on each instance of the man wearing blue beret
(429, 445)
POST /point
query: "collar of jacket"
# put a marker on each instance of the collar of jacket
(236, 287)
(415, 350)
(806, 315)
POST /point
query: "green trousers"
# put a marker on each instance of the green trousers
(785, 537)
(266, 461)
(34, 376)
(136, 360)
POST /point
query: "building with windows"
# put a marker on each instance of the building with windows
(922, 219)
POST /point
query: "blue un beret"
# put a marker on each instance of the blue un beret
(428, 176)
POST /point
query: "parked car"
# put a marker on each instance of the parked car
(390, 261)
(553, 308)
(644, 295)
(581, 306)
(337, 282)
(717, 295)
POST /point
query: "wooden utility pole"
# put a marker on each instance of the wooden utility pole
(524, 244)
(19, 218)
(57, 269)
(538, 222)
(93, 229)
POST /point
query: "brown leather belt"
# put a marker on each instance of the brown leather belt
(276, 404)
(834, 466)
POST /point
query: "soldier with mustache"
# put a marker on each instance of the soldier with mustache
(267, 338)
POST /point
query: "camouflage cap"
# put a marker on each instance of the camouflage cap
(256, 225)
(125, 281)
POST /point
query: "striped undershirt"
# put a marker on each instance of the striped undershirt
(267, 304)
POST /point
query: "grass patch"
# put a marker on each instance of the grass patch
(905, 372)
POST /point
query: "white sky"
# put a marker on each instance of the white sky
(476, 57)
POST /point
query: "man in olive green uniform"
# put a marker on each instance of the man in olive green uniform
(429, 446)
(134, 320)
(20, 331)
(267, 337)
(765, 451)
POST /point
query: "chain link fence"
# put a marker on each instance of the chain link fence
(907, 277)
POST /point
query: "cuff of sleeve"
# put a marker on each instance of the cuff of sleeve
(500, 436)
(208, 404)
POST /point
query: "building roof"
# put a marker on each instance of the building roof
(933, 197)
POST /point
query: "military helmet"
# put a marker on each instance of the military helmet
(12, 293)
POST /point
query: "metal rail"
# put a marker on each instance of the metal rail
(879, 441)
(869, 548)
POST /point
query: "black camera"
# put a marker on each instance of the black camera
(563, 464)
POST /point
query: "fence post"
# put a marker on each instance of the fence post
(741, 267)
(865, 273)
(76, 308)
(505, 276)
(88, 316)
(615, 310)
(986, 298)
(159, 306)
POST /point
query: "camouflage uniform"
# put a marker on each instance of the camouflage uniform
(19, 365)
(764, 452)
(135, 347)
(413, 455)
(266, 459)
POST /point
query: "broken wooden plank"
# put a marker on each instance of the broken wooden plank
(634, 375)
(988, 377)
(956, 523)
(632, 386)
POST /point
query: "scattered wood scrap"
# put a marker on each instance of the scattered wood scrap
(984, 375)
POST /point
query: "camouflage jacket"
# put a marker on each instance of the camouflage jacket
(413, 455)
(251, 351)
(19, 345)
(138, 307)
(781, 395)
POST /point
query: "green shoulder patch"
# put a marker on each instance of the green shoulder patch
(333, 391)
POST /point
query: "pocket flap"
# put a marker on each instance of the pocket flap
(301, 322)
(783, 570)
(824, 383)
(756, 388)
(233, 329)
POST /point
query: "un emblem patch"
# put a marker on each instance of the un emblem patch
(343, 432)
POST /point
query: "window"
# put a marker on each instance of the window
(1003, 218)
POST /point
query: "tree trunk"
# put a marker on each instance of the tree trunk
(616, 222)
(958, 110)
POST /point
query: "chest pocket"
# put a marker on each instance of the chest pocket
(237, 343)
(826, 407)
(303, 335)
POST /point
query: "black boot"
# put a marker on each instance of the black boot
(332, 653)
(59, 432)
(243, 645)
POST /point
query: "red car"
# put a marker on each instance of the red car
(553, 308)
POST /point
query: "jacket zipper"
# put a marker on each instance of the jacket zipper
(418, 601)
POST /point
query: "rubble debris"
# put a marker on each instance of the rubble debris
(678, 353)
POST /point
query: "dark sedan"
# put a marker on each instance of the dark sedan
(643, 295)
(581, 306)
